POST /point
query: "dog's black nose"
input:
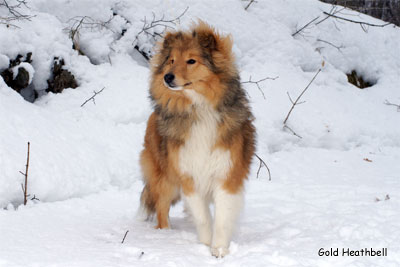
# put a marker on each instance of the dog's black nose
(169, 77)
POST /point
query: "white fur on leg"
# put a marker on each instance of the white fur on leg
(227, 209)
(142, 214)
(199, 209)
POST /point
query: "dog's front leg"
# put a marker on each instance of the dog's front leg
(227, 209)
(200, 212)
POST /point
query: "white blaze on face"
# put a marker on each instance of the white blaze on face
(176, 88)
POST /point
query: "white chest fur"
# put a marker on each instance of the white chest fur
(197, 157)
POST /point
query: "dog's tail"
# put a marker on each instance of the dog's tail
(147, 204)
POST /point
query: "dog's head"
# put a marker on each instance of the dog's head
(199, 59)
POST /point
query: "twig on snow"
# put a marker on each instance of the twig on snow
(392, 104)
(25, 187)
(291, 130)
(329, 43)
(305, 26)
(149, 30)
(160, 22)
(262, 162)
(13, 13)
(93, 97)
(84, 22)
(361, 23)
(35, 198)
(334, 10)
(251, 2)
(123, 239)
(295, 103)
(259, 81)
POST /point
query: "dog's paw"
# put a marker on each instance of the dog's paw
(219, 252)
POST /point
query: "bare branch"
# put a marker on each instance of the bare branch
(262, 162)
(14, 14)
(126, 233)
(392, 104)
(291, 130)
(305, 26)
(329, 43)
(251, 2)
(334, 10)
(259, 81)
(25, 187)
(298, 98)
(160, 22)
(149, 29)
(361, 23)
(85, 22)
(93, 97)
(291, 100)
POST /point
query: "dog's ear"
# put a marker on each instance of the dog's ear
(168, 40)
(207, 39)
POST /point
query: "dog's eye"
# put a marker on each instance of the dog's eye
(172, 61)
(191, 61)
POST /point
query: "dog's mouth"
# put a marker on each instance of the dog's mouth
(174, 87)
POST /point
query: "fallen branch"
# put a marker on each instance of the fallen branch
(93, 97)
(25, 188)
(257, 83)
(126, 233)
(262, 162)
(392, 104)
(251, 2)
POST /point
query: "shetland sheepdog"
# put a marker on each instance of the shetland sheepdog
(200, 139)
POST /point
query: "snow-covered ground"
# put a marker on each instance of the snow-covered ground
(336, 187)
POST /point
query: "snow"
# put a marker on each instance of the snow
(84, 160)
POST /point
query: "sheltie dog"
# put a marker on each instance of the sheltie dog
(200, 139)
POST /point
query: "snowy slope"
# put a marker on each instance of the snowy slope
(84, 160)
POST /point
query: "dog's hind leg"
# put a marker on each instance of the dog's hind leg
(167, 194)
